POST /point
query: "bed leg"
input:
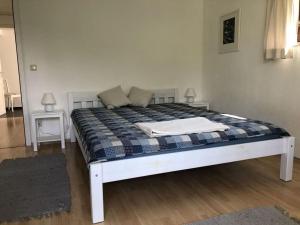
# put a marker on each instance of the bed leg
(96, 192)
(72, 134)
(287, 160)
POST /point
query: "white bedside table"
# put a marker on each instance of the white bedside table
(199, 104)
(39, 115)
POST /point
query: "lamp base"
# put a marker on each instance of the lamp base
(49, 108)
(190, 99)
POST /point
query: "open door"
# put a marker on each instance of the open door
(2, 97)
(11, 108)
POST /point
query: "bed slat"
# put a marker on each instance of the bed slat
(84, 105)
(95, 104)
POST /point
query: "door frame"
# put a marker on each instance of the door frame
(21, 67)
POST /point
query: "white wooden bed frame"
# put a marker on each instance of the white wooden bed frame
(104, 172)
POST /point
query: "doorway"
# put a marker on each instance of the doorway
(11, 111)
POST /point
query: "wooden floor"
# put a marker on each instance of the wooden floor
(11, 131)
(174, 198)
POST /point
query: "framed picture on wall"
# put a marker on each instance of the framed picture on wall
(229, 32)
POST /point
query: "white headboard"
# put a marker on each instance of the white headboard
(90, 100)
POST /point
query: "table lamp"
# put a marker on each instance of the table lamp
(190, 95)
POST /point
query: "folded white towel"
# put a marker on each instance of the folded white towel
(180, 126)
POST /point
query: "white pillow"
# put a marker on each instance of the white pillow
(114, 97)
(140, 97)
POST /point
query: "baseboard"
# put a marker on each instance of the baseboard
(20, 107)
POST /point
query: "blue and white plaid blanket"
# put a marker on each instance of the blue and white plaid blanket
(111, 134)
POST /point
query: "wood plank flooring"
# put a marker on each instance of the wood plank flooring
(173, 198)
(11, 132)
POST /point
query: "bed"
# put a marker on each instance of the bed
(114, 149)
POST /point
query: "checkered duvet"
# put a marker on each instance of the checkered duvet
(111, 134)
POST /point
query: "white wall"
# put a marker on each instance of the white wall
(94, 45)
(8, 56)
(242, 82)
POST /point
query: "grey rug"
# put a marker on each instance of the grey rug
(257, 216)
(33, 187)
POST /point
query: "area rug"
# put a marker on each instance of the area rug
(256, 216)
(33, 187)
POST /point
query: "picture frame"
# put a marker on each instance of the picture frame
(229, 32)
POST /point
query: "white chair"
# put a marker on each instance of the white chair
(10, 96)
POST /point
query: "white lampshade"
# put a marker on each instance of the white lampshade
(48, 101)
(190, 92)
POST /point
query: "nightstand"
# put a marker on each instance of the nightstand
(40, 115)
(199, 104)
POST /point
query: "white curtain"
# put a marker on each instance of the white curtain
(281, 28)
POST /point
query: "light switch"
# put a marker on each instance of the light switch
(33, 67)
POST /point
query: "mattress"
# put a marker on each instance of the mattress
(111, 134)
